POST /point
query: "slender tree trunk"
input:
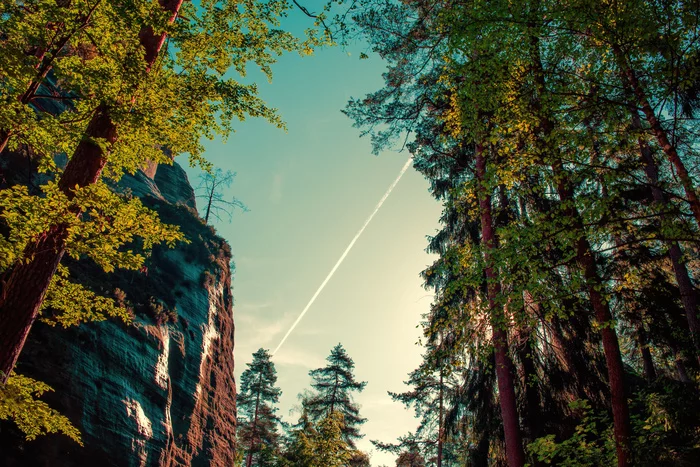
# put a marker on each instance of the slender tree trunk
(211, 197)
(480, 455)
(335, 390)
(249, 459)
(440, 422)
(504, 365)
(613, 358)
(527, 374)
(26, 284)
(647, 361)
(631, 81)
(685, 286)
(587, 263)
(635, 318)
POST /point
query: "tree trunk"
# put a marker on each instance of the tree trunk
(28, 281)
(685, 286)
(587, 263)
(440, 422)
(630, 76)
(504, 365)
(528, 372)
(335, 389)
(19, 303)
(211, 197)
(647, 361)
(249, 460)
(613, 358)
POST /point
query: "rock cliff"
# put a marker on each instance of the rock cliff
(160, 391)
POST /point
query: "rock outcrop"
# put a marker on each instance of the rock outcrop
(159, 392)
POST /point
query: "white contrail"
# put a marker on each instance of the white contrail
(345, 253)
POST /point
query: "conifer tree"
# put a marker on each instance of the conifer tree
(258, 423)
(560, 139)
(333, 385)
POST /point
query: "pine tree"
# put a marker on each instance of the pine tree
(258, 423)
(538, 125)
(333, 385)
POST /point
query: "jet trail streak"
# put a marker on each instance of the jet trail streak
(345, 253)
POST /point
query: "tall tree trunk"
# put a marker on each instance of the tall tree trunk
(680, 363)
(685, 286)
(587, 263)
(647, 360)
(632, 82)
(527, 373)
(635, 318)
(504, 365)
(613, 358)
(249, 459)
(26, 284)
(440, 422)
(335, 390)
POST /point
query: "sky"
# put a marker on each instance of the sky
(309, 190)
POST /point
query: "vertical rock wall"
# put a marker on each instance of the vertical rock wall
(149, 394)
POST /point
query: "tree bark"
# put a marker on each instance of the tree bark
(504, 365)
(28, 281)
(249, 459)
(440, 423)
(647, 360)
(685, 286)
(613, 358)
(26, 284)
(587, 262)
(631, 81)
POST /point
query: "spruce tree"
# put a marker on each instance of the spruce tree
(333, 385)
(258, 422)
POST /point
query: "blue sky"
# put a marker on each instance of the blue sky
(309, 190)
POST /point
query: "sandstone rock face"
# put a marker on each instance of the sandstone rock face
(155, 393)
(174, 185)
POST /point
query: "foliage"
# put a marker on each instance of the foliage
(410, 459)
(333, 385)
(65, 63)
(71, 304)
(258, 422)
(664, 433)
(160, 313)
(110, 223)
(321, 445)
(590, 445)
(19, 402)
(555, 137)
